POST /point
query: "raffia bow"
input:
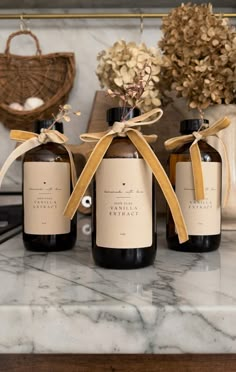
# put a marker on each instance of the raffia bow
(140, 141)
(195, 155)
(31, 140)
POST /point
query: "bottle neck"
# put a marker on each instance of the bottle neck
(121, 114)
(193, 125)
(45, 124)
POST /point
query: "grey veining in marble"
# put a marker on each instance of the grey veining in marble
(62, 302)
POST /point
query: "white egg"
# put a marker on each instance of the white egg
(32, 103)
(16, 106)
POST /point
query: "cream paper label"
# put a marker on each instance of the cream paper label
(202, 217)
(123, 204)
(46, 192)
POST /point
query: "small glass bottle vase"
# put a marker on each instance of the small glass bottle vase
(124, 224)
(203, 217)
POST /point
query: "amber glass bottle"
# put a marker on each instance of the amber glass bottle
(46, 190)
(124, 217)
(203, 218)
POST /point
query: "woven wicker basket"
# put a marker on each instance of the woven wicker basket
(49, 77)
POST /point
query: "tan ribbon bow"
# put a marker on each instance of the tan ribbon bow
(195, 155)
(104, 140)
(31, 140)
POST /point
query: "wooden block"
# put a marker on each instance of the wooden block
(102, 102)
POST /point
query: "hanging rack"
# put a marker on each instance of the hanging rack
(90, 15)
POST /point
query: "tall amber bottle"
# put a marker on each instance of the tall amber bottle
(203, 218)
(46, 189)
(124, 219)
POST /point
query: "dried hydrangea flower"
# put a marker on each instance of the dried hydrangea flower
(199, 54)
(120, 67)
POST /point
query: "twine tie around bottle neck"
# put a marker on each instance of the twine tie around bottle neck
(118, 127)
(197, 135)
(49, 135)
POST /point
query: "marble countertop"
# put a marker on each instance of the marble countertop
(62, 303)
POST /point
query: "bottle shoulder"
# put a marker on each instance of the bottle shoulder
(208, 153)
(122, 147)
(47, 152)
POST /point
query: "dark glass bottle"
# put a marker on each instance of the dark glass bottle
(124, 215)
(203, 218)
(46, 190)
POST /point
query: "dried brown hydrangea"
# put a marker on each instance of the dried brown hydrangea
(121, 65)
(199, 53)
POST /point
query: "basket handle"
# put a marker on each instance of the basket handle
(23, 32)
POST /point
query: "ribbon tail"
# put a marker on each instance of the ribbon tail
(197, 172)
(72, 167)
(21, 135)
(20, 150)
(216, 127)
(87, 175)
(161, 177)
(140, 119)
(175, 142)
(228, 174)
(93, 137)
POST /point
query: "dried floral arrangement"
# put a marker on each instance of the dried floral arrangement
(199, 56)
(125, 66)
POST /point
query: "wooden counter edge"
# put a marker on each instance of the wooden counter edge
(118, 363)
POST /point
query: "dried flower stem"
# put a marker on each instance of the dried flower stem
(134, 91)
(64, 113)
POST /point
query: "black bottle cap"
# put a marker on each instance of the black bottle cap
(46, 123)
(191, 125)
(117, 113)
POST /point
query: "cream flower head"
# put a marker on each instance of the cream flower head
(121, 65)
(199, 53)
